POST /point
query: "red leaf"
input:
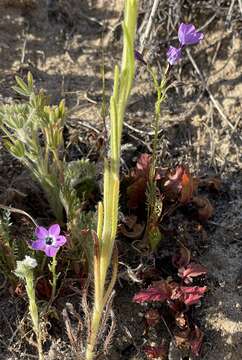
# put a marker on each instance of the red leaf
(181, 183)
(159, 292)
(191, 271)
(192, 295)
(156, 352)
(196, 338)
(189, 295)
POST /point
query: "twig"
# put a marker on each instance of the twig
(207, 22)
(212, 98)
(86, 125)
(23, 50)
(139, 131)
(94, 20)
(230, 228)
(230, 12)
(149, 25)
(240, 6)
(19, 211)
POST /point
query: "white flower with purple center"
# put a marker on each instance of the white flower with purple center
(49, 240)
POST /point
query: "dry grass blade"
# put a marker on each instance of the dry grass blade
(147, 32)
(230, 12)
(106, 315)
(72, 338)
(240, 6)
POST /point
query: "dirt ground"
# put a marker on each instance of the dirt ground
(61, 44)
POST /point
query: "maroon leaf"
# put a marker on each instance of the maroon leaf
(182, 258)
(143, 163)
(160, 291)
(196, 338)
(204, 207)
(136, 193)
(139, 177)
(191, 271)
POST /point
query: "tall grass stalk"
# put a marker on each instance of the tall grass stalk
(104, 240)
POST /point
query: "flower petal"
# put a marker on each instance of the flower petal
(60, 240)
(41, 232)
(173, 55)
(54, 230)
(38, 245)
(51, 251)
(188, 35)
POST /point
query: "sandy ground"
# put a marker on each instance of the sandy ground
(201, 122)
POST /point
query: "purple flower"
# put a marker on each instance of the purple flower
(173, 55)
(188, 35)
(49, 240)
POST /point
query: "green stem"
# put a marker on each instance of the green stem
(54, 280)
(160, 91)
(34, 312)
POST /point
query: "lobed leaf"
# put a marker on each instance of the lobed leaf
(192, 295)
(192, 270)
(159, 292)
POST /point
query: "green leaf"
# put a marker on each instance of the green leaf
(30, 80)
(19, 90)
